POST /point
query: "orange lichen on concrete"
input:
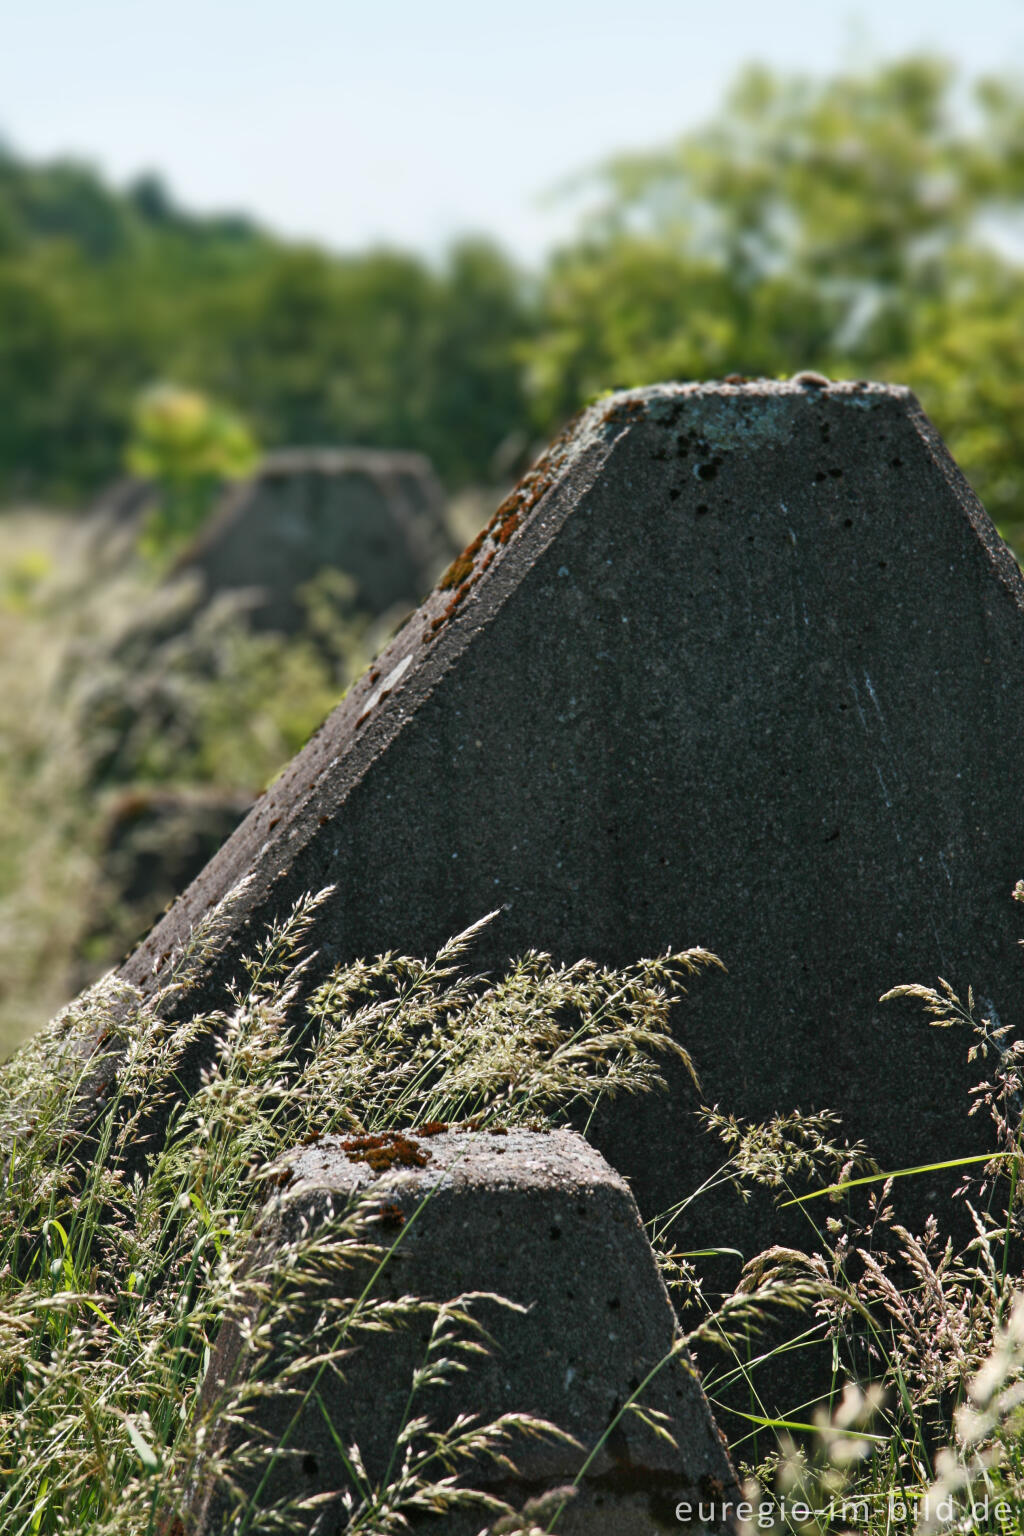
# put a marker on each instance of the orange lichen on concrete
(385, 1150)
(457, 571)
(391, 1215)
(463, 573)
(625, 411)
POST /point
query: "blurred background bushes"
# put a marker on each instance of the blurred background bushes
(865, 224)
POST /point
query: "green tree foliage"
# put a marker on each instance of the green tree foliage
(189, 446)
(868, 224)
(380, 350)
(101, 293)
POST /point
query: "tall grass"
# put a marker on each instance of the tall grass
(110, 692)
(921, 1420)
(119, 1262)
(116, 1271)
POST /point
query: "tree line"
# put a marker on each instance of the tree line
(871, 223)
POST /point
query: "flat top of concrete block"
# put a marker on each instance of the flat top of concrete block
(453, 1159)
(755, 414)
(343, 461)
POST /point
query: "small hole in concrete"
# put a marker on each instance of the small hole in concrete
(614, 1304)
(309, 1464)
(836, 474)
(673, 494)
(707, 471)
(702, 509)
(848, 523)
(820, 476)
(556, 1233)
(896, 463)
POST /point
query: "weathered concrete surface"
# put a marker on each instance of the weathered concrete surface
(542, 1220)
(740, 666)
(378, 516)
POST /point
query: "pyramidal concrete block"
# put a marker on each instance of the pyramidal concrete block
(376, 515)
(739, 666)
(541, 1220)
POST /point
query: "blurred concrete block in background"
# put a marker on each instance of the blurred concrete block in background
(377, 516)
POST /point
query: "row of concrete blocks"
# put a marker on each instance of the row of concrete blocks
(539, 1219)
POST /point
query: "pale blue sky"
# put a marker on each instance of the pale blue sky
(412, 121)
